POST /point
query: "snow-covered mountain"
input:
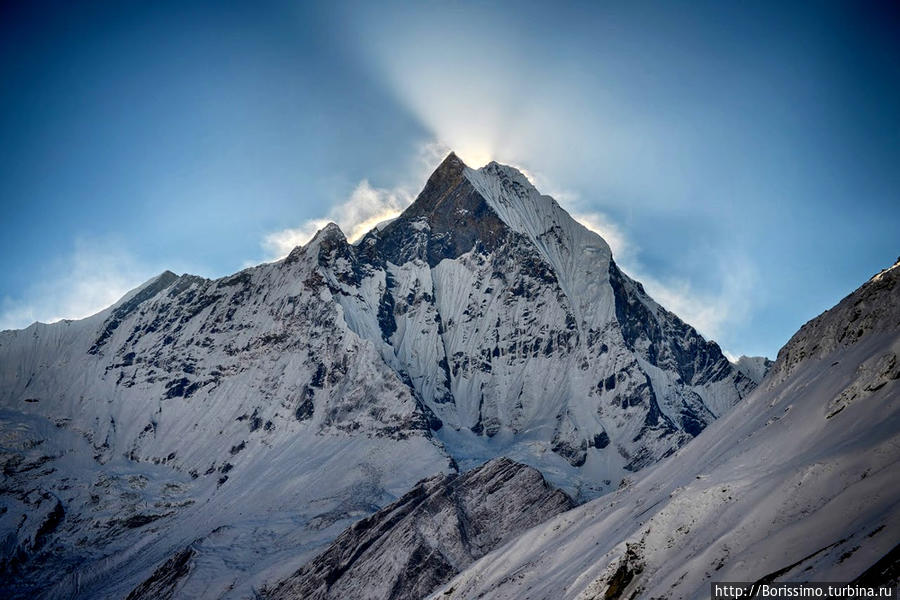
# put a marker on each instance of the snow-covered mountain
(239, 419)
(196, 419)
(515, 327)
(797, 483)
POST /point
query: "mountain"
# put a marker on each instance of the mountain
(270, 409)
(519, 332)
(796, 483)
(754, 367)
(407, 549)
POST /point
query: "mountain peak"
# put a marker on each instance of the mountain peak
(496, 168)
(451, 166)
(448, 218)
(460, 206)
(330, 231)
(872, 310)
(508, 182)
(322, 244)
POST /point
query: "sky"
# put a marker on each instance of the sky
(740, 158)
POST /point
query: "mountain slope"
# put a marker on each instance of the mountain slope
(797, 483)
(248, 394)
(442, 525)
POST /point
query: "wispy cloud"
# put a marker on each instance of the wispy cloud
(711, 312)
(622, 248)
(94, 276)
(364, 209)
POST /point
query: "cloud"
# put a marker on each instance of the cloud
(366, 207)
(622, 249)
(709, 312)
(93, 277)
(484, 87)
(712, 312)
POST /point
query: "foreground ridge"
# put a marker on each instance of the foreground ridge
(443, 524)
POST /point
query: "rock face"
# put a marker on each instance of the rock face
(754, 367)
(870, 310)
(797, 483)
(272, 408)
(407, 549)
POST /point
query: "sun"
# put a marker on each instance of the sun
(475, 156)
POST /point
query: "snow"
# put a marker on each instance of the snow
(291, 485)
(579, 257)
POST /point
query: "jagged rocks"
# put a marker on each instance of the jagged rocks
(163, 584)
(443, 524)
(506, 313)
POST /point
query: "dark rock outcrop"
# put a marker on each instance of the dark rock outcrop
(442, 525)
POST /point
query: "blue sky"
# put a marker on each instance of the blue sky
(741, 158)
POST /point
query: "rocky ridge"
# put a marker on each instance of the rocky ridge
(407, 549)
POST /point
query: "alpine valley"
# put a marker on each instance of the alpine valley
(435, 400)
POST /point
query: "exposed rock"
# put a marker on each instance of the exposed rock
(442, 525)
(163, 584)
(754, 367)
